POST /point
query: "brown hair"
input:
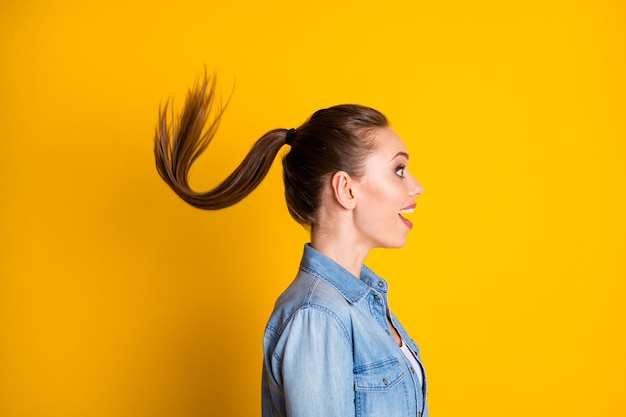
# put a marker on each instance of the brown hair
(332, 140)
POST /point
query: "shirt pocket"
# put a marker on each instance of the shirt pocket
(378, 376)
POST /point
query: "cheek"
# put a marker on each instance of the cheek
(381, 200)
(386, 193)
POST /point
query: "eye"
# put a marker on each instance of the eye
(400, 170)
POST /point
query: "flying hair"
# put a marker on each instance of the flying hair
(178, 142)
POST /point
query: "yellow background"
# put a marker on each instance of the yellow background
(118, 299)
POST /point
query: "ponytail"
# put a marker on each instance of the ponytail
(178, 143)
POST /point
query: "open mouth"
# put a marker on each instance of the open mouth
(407, 210)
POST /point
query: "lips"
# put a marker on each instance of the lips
(408, 209)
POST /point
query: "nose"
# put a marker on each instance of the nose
(416, 188)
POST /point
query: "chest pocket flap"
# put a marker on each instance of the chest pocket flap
(378, 376)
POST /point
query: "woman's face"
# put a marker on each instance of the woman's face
(385, 193)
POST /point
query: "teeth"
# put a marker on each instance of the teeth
(403, 211)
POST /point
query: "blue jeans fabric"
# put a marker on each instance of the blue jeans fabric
(328, 349)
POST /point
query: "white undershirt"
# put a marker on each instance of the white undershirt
(416, 366)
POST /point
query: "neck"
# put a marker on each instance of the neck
(347, 252)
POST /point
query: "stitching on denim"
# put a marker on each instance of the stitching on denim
(318, 275)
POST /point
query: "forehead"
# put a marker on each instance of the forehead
(388, 144)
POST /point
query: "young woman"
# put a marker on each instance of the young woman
(332, 346)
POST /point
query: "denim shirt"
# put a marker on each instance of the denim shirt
(329, 351)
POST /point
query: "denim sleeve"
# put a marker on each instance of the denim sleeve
(317, 365)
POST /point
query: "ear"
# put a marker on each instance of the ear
(342, 189)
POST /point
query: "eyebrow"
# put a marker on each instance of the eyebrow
(406, 155)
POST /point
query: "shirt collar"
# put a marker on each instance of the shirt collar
(352, 288)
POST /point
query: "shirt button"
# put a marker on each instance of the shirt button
(380, 284)
(388, 332)
(412, 369)
(376, 297)
(385, 382)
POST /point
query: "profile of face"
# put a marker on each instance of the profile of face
(385, 193)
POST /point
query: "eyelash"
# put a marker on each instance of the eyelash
(400, 168)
